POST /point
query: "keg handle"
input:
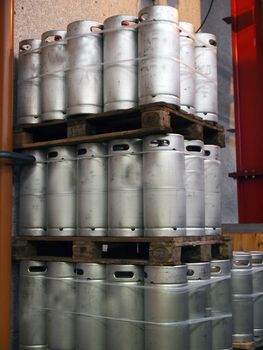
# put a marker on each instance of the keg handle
(53, 38)
(25, 47)
(96, 29)
(194, 148)
(143, 16)
(212, 42)
(123, 274)
(129, 23)
(190, 272)
(257, 261)
(52, 154)
(79, 271)
(240, 263)
(207, 153)
(216, 269)
(82, 151)
(120, 147)
(159, 143)
(37, 269)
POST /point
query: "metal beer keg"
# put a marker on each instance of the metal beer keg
(194, 185)
(53, 87)
(199, 306)
(125, 329)
(164, 185)
(32, 201)
(61, 191)
(28, 93)
(32, 313)
(84, 69)
(90, 306)
(159, 54)
(120, 78)
(257, 267)
(165, 305)
(187, 67)
(125, 198)
(213, 189)
(221, 303)
(206, 83)
(61, 306)
(242, 299)
(92, 186)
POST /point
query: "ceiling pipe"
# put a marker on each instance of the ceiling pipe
(6, 172)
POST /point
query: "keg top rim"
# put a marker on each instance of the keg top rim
(36, 43)
(158, 11)
(90, 24)
(116, 22)
(54, 32)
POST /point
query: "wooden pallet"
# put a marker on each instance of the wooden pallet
(253, 345)
(135, 122)
(123, 250)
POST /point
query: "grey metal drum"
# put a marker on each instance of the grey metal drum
(125, 199)
(92, 183)
(213, 189)
(221, 303)
(242, 299)
(199, 306)
(159, 54)
(32, 201)
(84, 68)
(53, 87)
(28, 93)
(120, 78)
(125, 302)
(165, 306)
(206, 83)
(194, 184)
(164, 185)
(61, 306)
(90, 306)
(187, 67)
(257, 266)
(61, 191)
(32, 297)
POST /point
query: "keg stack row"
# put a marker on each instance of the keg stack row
(126, 62)
(158, 186)
(116, 307)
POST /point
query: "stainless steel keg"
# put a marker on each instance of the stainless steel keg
(206, 83)
(90, 306)
(53, 61)
(194, 184)
(187, 67)
(125, 199)
(221, 303)
(120, 78)
(28, 93)
(242, 298)
(213, 189)
(165, 306)
(257, 267)
(32, 198)
(125, 329)
(92, 189)
(61, 306)
(164, 185)
(61, 191)
(199, 306)
(32, 314)
(159, 53)
(84, 70)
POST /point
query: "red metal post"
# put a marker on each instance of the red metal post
(247, 44)
(6, 144)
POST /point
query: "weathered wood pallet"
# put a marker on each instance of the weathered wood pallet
(135, 122)
(123, 250)
(257, 344)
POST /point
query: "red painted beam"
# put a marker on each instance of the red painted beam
(247, 45)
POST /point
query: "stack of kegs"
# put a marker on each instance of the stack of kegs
(156, 186)
(125, 62)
